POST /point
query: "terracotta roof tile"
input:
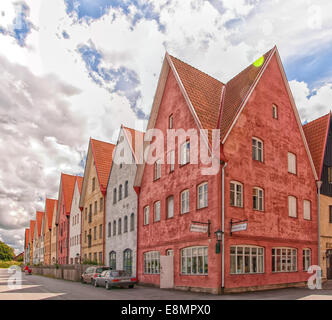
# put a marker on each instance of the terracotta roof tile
(32, 229)
(27, 237)
(103, 155)
(49, 209)
(39, 221)
(133, 142)
(68, 185)
(79, 183)
(316, 133)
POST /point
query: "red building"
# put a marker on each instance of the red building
(66, 192)
(269, 193)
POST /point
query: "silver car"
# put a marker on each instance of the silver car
(115, 278)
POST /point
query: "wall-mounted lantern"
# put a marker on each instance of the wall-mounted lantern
(218, 234)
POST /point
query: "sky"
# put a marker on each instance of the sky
(75, 69)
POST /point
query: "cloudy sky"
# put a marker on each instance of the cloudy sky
(74, 69)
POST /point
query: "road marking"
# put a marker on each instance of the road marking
(28, 296)
(317, 297)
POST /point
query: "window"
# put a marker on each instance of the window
(114, 196)
(127, 260)
(120, 192)
(100, 231)
(306, 259)
(157, 211)
(96, 207)
(125, 226)
(146, 215)
(258, 199)
(112, 258)
(306, 209)
(119, 226)
(284, 260)
(184, 201)
(292, 206)
(247, 259)
(236, 194)
(100, 257)
(170, 252)
(86, 213)
(185, 153)
(194, 261)
(85, 236)
(152, 262)
(291, 163)
(329, 174)
(101, 202)
(132, 222)
(170, 122)
(170, 207)
(93, 184)
(114, 228)
(202, 199)
(95, 233)
(330, 208)
(274, 111)
(257, 149)
(157, 170)
(171, 160)
(90, 213)
(126, 189)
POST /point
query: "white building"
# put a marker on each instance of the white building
(75, 224)
(121, 203)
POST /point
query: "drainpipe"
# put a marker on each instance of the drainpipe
(223, 226)
(319, 184)
(138, 191)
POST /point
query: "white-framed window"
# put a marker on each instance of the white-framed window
(274, 111)
(171, 160)
(257, 149)
(194, 261)
(291, 163)
(185, 153)
(202, 195)
(157, 169)
(284, 260)
(184, 201)
(170, 207)
(306, 259)
(170, 122)
(236, 195)
(292, 206)
(258, 199)
(157, 211)
(329, 174)
(306, 209)
(146, 215)
(247, 259)
(151, 262)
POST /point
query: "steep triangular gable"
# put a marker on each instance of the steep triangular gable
(79, 181)
(26, 237)
(135, 139)
(32, 230)
(39, 216)
(316, 133)
(49, 209)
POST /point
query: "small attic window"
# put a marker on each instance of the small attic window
(170, 122)
(274, 111)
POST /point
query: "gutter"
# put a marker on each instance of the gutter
(138, 191)
(319, 185)
(223, 226)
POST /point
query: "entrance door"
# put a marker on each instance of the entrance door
(166, 272)
(329, 264)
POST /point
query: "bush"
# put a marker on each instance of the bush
(91, 262)
(7, 264)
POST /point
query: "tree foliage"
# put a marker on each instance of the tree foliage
(6, 252)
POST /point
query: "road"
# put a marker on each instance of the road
(33, 287)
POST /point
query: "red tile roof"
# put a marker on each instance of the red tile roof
(316, 134)
(103, 155)
(203, 91)
(68, 185)
(27, 237)
(49, 209)
(133, 142)
(32, 229)
(39, 221)
(79, 183)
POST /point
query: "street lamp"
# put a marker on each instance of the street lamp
(218, 234)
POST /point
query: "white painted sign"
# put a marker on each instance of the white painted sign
(199, 228)
(239, 227)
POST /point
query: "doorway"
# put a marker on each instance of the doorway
(166, 272)
(329, 264)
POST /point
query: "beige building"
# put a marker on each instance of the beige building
(92, 200)
(54, 235)
(325, 234)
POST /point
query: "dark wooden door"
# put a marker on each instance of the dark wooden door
(329, 264)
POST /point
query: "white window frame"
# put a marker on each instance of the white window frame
(189, 255)
(292, 163)
(306, 210)
(146, 215)
(238, 194)
(259, 194)
(157, 169)
(292, 206)
(306, 259)
(185, 153)
(157, 211)
(171, 160)
(185, 201)
(151, 262)
(170, 122)
(257, 149)
(170, 208)
(202, 195)
(242, 253)
(285, 255)
(274, 111)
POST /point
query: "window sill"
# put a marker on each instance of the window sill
(198, 209)
(237, 207)
(246, 274)
(155, 180)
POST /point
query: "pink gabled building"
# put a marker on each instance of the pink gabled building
(252, 224)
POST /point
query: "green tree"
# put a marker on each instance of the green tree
(6, 252)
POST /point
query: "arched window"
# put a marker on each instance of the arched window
(114, 195)
(109, 229)
(257, 149)
(126, 189)
(119, 226)
(114, 228)
(120, 192)
(127, 260)
(125, 227)
(132, 222)
(112, 261)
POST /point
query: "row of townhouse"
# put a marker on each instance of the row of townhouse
(255, 211)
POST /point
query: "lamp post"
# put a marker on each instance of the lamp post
(218, 234)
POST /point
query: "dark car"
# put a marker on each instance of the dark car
(115, 278)
(91, 274)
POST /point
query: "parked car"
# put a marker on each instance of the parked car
(91, 274)
(115, 278)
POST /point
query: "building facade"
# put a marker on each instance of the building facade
(26, 247)
(31, 236)
(121, 204)
(54, 235)
(92, 200)
(48, 217)
(75, 224)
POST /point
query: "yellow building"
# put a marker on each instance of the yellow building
(54, 235)
(92, 201)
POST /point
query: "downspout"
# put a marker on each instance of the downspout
(104, 230)
(319, 185)
(67, 259)
(137, 190)
(223, 226)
